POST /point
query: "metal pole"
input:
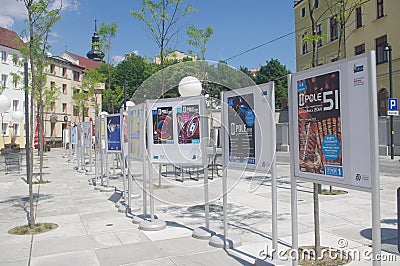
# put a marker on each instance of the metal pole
(27, 124)
(391, 95)
(124, 94)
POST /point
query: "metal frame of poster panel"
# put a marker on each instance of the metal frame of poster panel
(249, 143)
(113, 130)
(333, 136)
(334, 126)
(87, 128)
(173, 133)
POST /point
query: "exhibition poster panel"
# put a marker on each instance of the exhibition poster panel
(103, 132)
(74, 135)
(113, 133)
(319, 125)
(135, 125)
(188, 119)
(163, 125)
(87, 134)
(241, 129)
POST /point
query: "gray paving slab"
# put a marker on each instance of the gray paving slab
(183, 246)
(85, 257)
(131, 253)
(14, 251)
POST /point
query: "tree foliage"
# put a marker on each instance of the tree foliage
(275, 71)
(199, 38)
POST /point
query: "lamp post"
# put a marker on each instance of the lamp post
(388, 49)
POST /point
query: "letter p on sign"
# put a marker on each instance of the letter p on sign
(393, 107)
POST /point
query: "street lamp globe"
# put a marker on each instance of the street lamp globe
(17, 116)
(130, 103)
(104, 113)
(4, 103)
(190, 86)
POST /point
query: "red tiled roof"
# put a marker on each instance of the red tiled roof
(85, 62)
(9, 39)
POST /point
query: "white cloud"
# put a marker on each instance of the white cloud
(118, 58)
(6, 21)
(66, 5)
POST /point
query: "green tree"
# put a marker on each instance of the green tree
(199, 39)
(275, 71)
(41, 17)
(91, 84)
(162, 20)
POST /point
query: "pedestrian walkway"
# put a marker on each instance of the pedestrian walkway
(91, 231)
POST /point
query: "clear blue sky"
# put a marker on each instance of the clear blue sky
(238, 26)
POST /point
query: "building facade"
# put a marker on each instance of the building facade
(371, 25)
(66, 73)
(12, 86)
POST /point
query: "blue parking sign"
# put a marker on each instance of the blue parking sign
(393, 104)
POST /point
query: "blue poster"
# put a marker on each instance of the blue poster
(73, 135)
(114, 133)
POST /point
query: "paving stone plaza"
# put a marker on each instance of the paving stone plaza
(91, 230)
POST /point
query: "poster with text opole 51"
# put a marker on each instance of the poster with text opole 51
(188, 120)
(241, 119)
(319, 125)
(113, 129)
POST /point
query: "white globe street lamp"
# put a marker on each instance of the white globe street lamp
(4, 103)
(190, 86)
(17, 116)
(130, 103)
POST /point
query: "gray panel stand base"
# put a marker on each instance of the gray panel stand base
(155, 225)
(140, 218)
(202, 233)
(232, 241)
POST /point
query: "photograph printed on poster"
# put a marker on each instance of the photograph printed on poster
(188, 120)
(241, 120)
(319, 125)
(163, 125)
(114, 133)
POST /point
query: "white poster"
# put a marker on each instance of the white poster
(176, 131)
(87, 134)
(249, 127)
(136, 134)
(332, 116)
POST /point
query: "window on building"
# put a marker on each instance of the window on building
(379, 9)
(15, 105)
(383, 96)
(359, 49)
(52, 85)
(52, 68)
(15, 59)
(64, 108)
(3, 80)
(75, 91)
(316, 4)
(303, 12)
(333, 28)
(75, 110)
(319, 33)
(64, 88)
(76, 75)
(64, 71)
(304, 44)
(4, 127)
(15, 129)
(358, 17)
(381, 55)
(15, 82)
(53, 106)
(3, 56)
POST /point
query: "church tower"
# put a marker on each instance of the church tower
(95, 53)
